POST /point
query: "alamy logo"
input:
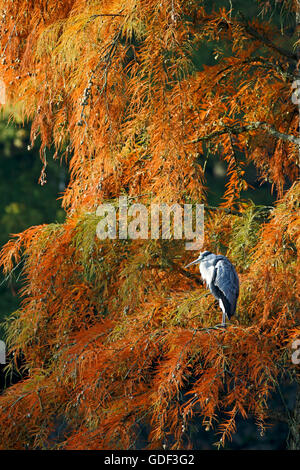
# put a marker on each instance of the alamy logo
(2, 353)
(296, 93)
(137, 221)
(296, 353)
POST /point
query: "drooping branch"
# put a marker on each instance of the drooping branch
(259, 62)
(267, 41)
(237, 129)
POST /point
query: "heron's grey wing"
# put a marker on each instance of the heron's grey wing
(227, 282)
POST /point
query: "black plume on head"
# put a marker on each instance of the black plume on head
(205, 253)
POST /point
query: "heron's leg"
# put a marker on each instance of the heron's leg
(224, 320)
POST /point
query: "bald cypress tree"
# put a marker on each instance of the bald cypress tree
(115, 335)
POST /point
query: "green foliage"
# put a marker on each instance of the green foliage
(244, 234)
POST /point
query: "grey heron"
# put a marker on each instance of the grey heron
(222, 280)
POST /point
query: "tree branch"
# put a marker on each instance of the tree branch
(227, 210)
(261, 63)
(267, 41)
(106, 14)
(236, 129)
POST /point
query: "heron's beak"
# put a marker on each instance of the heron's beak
(197, 261)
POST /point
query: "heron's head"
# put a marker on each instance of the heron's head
(199, 259)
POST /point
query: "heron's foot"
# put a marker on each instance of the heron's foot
(221, 325)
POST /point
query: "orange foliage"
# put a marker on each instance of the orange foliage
(113, 334)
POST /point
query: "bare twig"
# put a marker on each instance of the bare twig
(107, 14)
(237, 129)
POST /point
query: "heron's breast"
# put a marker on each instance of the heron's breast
(207, 273)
